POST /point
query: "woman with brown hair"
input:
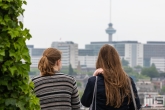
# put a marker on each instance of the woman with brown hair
(56, 91)
(113, 90)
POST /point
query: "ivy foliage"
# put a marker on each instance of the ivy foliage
(16, 89)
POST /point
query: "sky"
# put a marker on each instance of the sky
(84, 21)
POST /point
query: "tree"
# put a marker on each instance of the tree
(124, 62)
(16, 89)
(163, 90)
(71, 72)
(151, 71)
(128, 69)
(138, 67)
(162, 74)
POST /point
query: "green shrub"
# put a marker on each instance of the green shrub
(16, 89)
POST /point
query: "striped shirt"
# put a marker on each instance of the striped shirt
(57, 92)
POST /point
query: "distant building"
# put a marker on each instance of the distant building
(135, 53)
(69, 51)
(145, 87)
(159, 63)
(35, 54)
(132, 51)
(87, 58)
(152, 50)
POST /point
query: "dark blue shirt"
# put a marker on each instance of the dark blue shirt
(86, 99)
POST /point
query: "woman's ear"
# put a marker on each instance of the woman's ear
(58, 62)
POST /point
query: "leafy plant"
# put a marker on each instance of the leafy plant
(16, 89)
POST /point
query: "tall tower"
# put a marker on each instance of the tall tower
(110, 30)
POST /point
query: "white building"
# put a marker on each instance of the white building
(88, 61)
(159, 62)
(69, 52)
(130, 51)
(134, 54)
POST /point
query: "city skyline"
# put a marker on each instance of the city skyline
(86, 21)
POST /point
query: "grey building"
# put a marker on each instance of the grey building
(69, 51)
(35, 54)
(153, 49)
(126, 49)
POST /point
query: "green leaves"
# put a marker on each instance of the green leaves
(12, 70)
(2, 21)
(10, 101)
(2, 52)
(24, 2)
(16, 87)
(21, 25)
(13, 33)
(20, 104)
(6, 18)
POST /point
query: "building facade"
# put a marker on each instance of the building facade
(154, 52)
(69, 52)
(35, 54)
(159, 63)
(132, 51)
(134, 54)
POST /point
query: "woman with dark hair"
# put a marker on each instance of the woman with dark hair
(113, 90)
(56, 91)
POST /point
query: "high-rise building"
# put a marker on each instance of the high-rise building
(69, 52)
(134, 54)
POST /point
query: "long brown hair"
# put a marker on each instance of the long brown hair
(48, 60)
(115, 79)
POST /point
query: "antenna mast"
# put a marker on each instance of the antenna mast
(110, 9)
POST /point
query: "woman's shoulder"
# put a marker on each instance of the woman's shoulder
(93, 78)
(36, 77)
(55, 76)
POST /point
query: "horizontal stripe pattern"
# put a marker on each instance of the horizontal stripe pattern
(57, 92)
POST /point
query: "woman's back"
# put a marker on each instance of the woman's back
(57, 92)
(86, 99)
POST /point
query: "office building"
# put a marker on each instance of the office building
(132, 51)
(154, 50)
(159, 63)
(35, 54)
(69, 51)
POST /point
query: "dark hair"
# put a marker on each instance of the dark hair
(115, 79)
(48, 60)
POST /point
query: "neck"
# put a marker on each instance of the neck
(56, 69)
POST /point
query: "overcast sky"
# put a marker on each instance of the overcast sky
(83, 21)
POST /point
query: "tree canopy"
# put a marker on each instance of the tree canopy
(151, 71)
(124, 62)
